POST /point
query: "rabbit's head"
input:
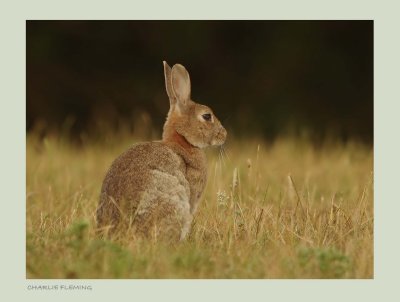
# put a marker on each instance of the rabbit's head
(196, 123)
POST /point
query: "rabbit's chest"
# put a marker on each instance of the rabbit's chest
(197, 179)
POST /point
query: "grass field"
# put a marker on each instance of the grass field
(282, 210)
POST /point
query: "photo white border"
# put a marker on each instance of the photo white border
(14, 286)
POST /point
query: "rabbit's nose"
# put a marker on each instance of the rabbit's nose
(219, 138)
(222, 134)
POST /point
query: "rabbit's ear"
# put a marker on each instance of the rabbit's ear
(168, 83)
(180, 84)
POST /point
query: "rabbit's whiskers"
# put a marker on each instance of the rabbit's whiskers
(226, 153)
(221, 153)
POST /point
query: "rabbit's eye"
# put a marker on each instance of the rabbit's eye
(207, 117)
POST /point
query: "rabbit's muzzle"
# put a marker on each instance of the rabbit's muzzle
(220, 137)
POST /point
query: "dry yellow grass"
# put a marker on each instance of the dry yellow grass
(285, 210)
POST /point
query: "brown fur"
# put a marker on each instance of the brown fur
(155, 187)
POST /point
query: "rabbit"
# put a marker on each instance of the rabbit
(154, 188)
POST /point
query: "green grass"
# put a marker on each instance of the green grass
(284, 210)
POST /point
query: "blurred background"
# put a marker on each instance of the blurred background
(310, 79)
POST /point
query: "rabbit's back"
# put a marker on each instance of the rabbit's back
(146, 188)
